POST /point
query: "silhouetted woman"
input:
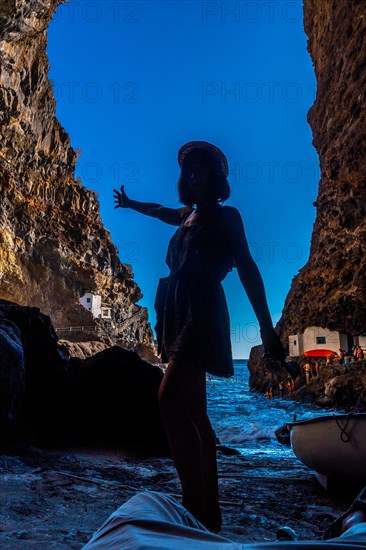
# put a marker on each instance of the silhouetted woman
(193, 326)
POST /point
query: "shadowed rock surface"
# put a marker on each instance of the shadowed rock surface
(50, 398)
(12, 375)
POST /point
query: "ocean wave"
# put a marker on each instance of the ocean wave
(243, 434)
(247, 419)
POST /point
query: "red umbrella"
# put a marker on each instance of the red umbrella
(319, 353)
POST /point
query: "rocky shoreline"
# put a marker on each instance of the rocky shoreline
(336, 386)
(54, 499)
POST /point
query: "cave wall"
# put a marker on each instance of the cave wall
(53, 245)
(330, 290)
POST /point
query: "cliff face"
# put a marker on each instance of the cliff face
(330, 290)
(53, 246)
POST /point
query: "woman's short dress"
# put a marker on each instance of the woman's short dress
(191, 310)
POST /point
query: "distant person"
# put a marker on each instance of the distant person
(269, 393)
(193, 325)
(347, 359)
(290, 385)
(281, 388)
(342, 354)
(307, 369)
(317, 367)
(359, 353)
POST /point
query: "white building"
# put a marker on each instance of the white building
(93, 302)
(106, 311)
(322, 341)
(361, 341)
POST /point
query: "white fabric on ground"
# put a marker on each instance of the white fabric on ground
(154, 521)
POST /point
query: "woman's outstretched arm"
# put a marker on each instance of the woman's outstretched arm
(173, 216)
(252, 282)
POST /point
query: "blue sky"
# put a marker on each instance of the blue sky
(134, 81)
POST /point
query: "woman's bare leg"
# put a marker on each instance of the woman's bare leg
(210, 490)
(181, 381)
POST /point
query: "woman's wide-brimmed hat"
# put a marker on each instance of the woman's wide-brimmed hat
(215, 151)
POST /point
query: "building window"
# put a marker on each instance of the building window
(321, 340)
(295, 343)
(88, 300)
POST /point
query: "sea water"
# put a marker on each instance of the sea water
(246, 420)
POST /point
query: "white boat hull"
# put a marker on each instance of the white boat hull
(334, 446)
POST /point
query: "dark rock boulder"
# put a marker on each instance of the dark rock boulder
(12, 377)
(54, 399)
(44, 413)
(115, 396)
(348, 388)
(283, 435)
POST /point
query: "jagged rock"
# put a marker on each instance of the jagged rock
(83, 349)
(110, 397)
(330, 290)
(348, 388)
(338, 386)
(53, 245)
(144, 351)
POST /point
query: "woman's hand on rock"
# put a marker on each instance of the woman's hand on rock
(272, 345)
(121, 199)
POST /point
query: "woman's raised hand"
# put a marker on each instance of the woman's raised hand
(121, 199)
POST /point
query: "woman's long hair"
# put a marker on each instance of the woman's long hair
(220, 187)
